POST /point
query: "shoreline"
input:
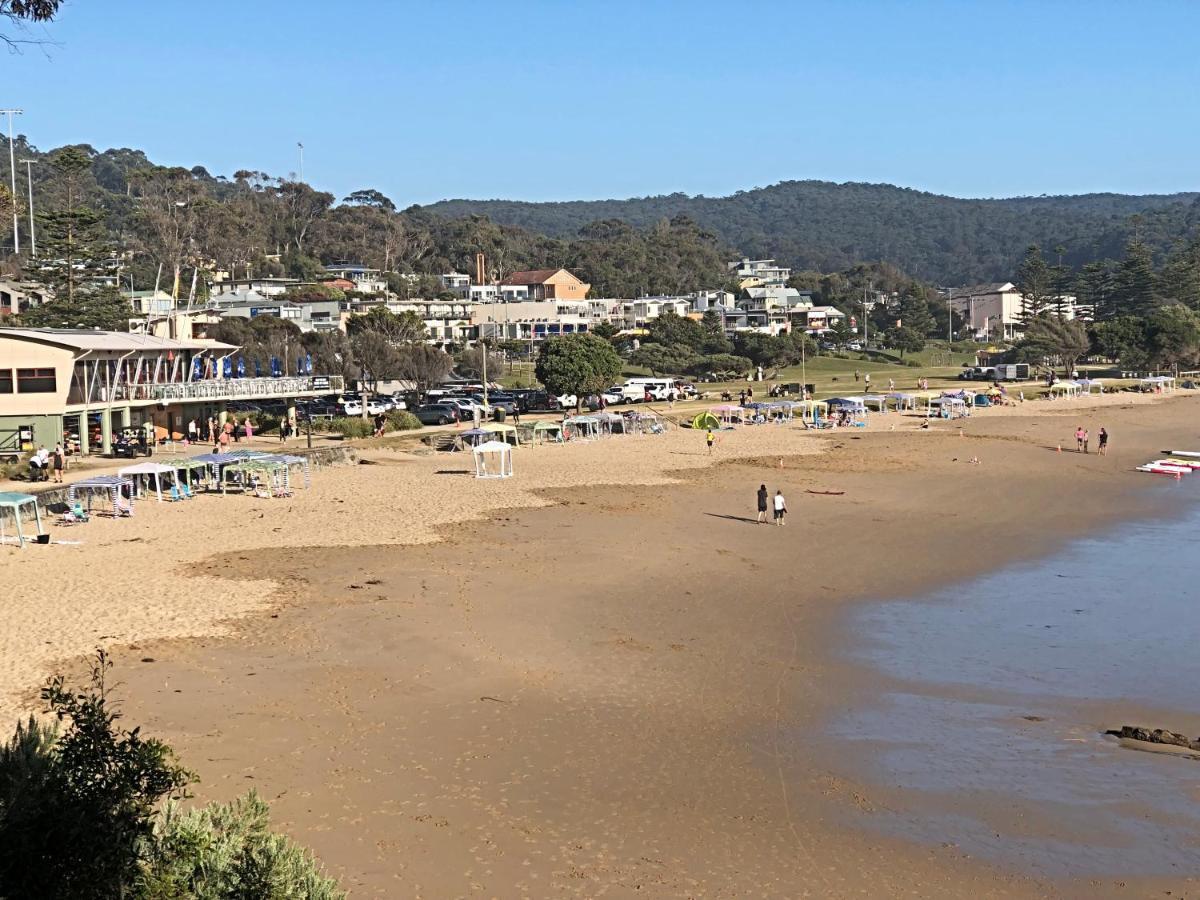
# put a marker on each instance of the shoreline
(302, 619)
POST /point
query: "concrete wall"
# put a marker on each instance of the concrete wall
(24, 354)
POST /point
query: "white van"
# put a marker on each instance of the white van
(657, 388)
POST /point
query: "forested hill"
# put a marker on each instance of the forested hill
(826, 226)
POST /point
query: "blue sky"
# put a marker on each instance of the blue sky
(582, 100)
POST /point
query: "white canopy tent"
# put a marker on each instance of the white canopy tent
(493, 459)
(144, 473)
(1066, 388)
(1158, 383)
(1088, 383)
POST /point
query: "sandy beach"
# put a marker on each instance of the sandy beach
(599, 678)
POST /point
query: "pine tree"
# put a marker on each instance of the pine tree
(1034, 282)
(1181, 274)
(1094, 287)
(1136, 285)
(914, 311)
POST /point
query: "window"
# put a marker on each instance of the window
(6, 381)
(36, 381)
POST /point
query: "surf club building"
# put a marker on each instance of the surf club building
(78, 385)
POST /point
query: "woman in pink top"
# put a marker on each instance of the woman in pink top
(1080, 436)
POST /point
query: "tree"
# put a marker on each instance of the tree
(424, 365)
(170, 208)
(578, 364)
(372, 198)
(840, 333)
(469, 362)
(914, 311)
(904, 339)
(1094, 289)
(299, 207)
(19, 12)
(378, 358)
(1135, 283)
(1173, 336)
(715, 340)
(1122, 340)
(663, 359)
(76, 809)
(1034, 282)
(1180, 279)
(1049, 337)
(606, 330)
(722, 364)
(669, 329)
(399, 328)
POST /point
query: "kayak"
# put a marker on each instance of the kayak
(1191, 454)
(1190, 463)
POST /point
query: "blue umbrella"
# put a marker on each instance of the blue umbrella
(241, 367)
(227, 368)
(257, 367)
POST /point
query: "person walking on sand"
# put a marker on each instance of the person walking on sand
(1102, 450)
(780, 509)
(1079, 436)
(762, 504)
(709, 439)
(193, 431)
(248, 427)
(1086, 436)
(59, 461)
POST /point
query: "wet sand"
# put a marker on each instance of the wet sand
(624, 692)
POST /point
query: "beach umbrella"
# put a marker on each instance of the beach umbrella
(241, 367)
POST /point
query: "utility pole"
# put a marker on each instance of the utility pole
(865, 316)
(12, 167)
(32, 236)
(301, 146)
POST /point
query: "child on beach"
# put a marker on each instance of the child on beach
(780, 509)
(1086, 436)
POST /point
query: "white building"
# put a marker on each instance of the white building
(532, 320)
(366, 280)
(456, 283)
(508, 293)
(639, 312)
(995, 311)
(264, 287)
(759, 272)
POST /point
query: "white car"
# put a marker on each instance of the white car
(567, 401)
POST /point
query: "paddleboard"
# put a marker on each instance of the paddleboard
(1192, 454)
(1164, 470)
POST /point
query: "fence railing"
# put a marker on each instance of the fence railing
(219, 389)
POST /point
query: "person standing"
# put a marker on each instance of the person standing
(762, 504)
(1102, 449)
(710, 439)
(866, 382)
(249, 427)
(1086, 436)
(1079, 435)
(516, 412)
(59, 460)
(193, 431)
(780, 509)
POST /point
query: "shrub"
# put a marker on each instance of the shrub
(912, 363)
(13, 469)
(80, 817)
(352, 427)
(402, 420)
(227, 850)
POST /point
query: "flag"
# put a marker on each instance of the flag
(257, 367)
(308, 364)
(241, 367)
(227, 367)
(196, 370)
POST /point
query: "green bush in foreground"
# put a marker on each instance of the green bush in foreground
(352, 427)
(81, 816)
(402, 420)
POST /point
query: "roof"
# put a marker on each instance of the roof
(85, 339)
(533, 276)
(976, 290)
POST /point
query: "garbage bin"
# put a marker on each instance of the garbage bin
(498, 414)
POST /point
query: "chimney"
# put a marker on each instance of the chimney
(480, 268)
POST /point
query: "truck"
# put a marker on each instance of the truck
(1013, 372)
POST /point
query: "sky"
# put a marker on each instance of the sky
(588, 100)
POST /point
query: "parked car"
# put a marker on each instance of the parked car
(505, 402)
(131, 443)
(435, 414)
(566, 401)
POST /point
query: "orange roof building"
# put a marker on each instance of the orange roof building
(550, 284)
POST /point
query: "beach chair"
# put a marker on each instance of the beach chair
(76, 515)
(174, 495)
(122, 508)
(187, 492)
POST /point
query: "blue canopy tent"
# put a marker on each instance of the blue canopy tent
(111, 485)
(15, 502)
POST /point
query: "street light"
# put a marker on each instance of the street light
(12, 171)
(32, 236)
(301, 146)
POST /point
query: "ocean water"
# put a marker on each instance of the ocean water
(990, 734)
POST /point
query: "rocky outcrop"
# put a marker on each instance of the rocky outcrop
(1155, 736)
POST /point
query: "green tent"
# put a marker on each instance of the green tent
(706, 420)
